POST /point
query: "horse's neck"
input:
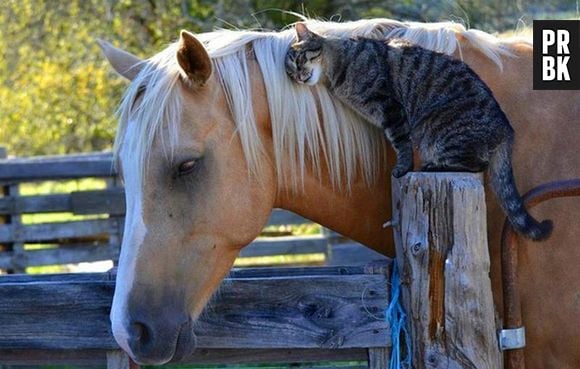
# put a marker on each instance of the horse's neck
(358, 215)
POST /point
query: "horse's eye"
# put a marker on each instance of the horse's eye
(187, 167)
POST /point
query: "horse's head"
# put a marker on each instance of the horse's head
(191, 204)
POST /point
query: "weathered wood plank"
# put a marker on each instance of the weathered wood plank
(56, 316)
(35, 204)
(54, 357)
(379, 357)
(116, 237)
(352, 253)
(288, 355)
(80, 203)
(13, 221)
(61, 255)
(57, 167)
(301, 312)
(109, 201)
(285, 245)
(200, 356)
(442, 254)
(22, 279)
(53, 231)
(17, 247)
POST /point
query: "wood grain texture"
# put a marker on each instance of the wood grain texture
(54, 231)
(35, 204)
(352, 253)
(442, 254)
(109, 201)
(57, 167)
(288, 355)
(379, 357)
(200, 356)
(72, 254)
(285, 245)
(321, 311)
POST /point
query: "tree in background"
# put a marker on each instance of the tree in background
(58, 95)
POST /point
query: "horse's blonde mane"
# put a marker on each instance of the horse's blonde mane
(348, 146)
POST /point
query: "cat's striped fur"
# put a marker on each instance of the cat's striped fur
(423, 100)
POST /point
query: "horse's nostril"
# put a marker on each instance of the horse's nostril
(140, 334)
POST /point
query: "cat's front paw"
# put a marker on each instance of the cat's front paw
(400, 171)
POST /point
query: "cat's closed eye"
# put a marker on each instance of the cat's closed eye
(313, 54)
(290, 64)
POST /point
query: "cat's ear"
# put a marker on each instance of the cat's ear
(303, 32)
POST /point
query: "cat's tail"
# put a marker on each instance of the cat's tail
(504, 186)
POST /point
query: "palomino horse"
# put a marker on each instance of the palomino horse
(213, 135)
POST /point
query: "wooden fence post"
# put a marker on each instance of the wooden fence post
(442, 254)
(17, 248)
(379, 357)
(116, 236)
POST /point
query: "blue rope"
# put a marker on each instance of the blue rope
(397, 320)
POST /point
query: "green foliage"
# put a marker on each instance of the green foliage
(58, 95)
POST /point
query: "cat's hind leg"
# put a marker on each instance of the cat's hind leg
(401, 142)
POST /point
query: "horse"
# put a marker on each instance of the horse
(213, 136)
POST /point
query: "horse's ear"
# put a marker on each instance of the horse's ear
(193, 58)
(303, 32)
(124, 63)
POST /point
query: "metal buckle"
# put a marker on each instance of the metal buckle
(512, 339)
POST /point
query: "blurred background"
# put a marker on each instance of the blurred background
(58, 95)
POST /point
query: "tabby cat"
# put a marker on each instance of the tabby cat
(423, 100)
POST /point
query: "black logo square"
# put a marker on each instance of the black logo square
(557, 55)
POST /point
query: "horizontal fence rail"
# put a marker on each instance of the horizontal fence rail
(318, 309)
(57, 167)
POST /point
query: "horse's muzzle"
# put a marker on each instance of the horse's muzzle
(160, 340)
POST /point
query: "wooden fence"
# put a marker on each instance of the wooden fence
(316, 314)
(98, 235)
